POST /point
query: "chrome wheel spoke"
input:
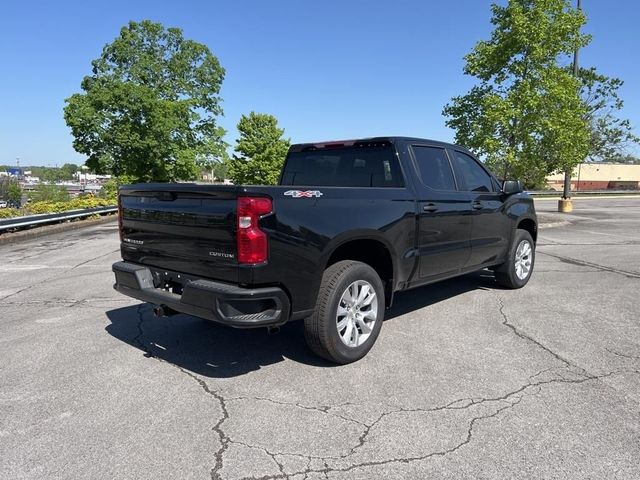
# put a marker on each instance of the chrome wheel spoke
(342, 324)
(364, 326)
(356, 337)
(350, 295)
(522, 261)
(370, 314)
(368, 299)
(346, 337)
(364, 292)
(356, 313)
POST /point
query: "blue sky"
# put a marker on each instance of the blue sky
(326, 69)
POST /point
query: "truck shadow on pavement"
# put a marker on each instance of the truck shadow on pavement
(216, 351)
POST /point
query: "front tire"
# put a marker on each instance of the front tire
(517, 270)
(349, 313)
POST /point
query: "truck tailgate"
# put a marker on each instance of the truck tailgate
(181, 227)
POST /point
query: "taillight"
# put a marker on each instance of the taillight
(252, 242)
(120, 228)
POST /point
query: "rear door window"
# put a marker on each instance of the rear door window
(471, 176)
(373, 164)
(434, 167)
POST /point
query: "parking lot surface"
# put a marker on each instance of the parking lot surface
(466, 380)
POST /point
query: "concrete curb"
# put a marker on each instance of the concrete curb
(543, 226)
(549, 220)
(7, 238)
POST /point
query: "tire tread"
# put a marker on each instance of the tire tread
(504, 274)
(314, 334)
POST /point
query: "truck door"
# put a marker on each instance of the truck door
(490, 225)
(444, 226)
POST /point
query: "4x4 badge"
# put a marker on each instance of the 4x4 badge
(303, 193)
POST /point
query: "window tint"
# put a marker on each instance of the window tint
(368, 165)
(434, 168)
(471, 176)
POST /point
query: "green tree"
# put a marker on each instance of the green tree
(260, 151)
(5, 181)
(215, 162)
(220, 170)
(610, 134)
(14, 193)
(68, 170)
(50, 174)
(110, 188)
(49, 193)
(149, 107)
(35, 171)
(10, 190)
(525, 117)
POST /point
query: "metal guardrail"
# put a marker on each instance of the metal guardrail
(577, 193)
(28, 221)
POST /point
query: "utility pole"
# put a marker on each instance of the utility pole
(565, 205)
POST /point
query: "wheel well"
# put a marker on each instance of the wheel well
(530, 226)
(371, 252)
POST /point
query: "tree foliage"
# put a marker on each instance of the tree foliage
(68, 170)
(149, 108)
(260, 151)
(215, 163)
(220, 169)
(525, 117)
(10, 190)
(110, 187)
(49, 193)
(14, 193)
(610, 134)
(50, 174)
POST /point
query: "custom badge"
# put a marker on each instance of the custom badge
(303, 193)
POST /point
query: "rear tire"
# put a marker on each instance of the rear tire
(349, 313)
(516, 271)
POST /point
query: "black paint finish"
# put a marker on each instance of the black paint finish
(427, 234)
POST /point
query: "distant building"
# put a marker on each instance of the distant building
(209, 177)
(599, 176)
(90, 177)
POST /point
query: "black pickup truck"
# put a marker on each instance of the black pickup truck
(350, 224)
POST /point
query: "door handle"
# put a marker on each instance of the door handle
(476, 205)
(429, 207)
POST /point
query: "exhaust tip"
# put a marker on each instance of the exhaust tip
(161, 311)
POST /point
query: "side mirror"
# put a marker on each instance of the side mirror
(509, 187)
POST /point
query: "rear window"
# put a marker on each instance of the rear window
(360, 165)
(435, 170)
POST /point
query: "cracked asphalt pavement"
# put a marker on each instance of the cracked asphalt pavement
(466, 380)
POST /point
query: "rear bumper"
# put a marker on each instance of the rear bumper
(221, 302)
